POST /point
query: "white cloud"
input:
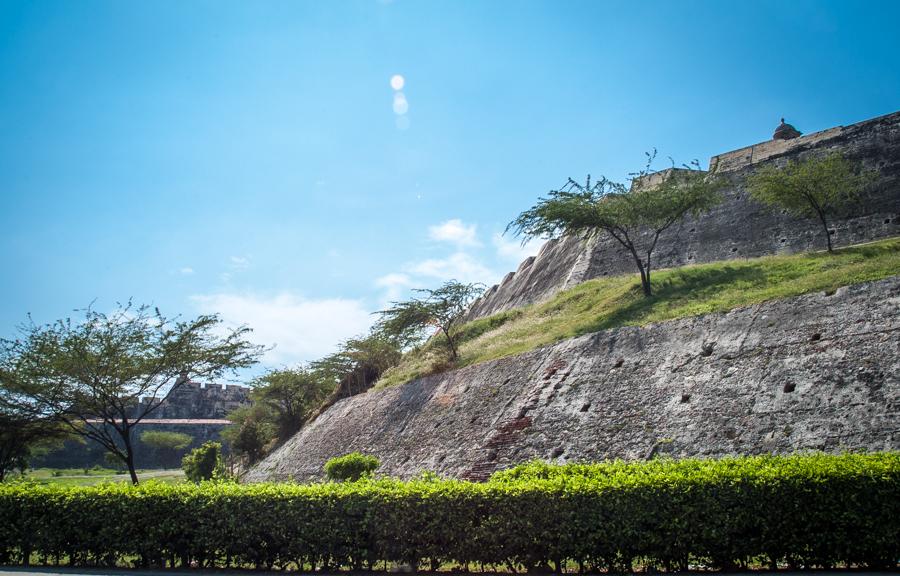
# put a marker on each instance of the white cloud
(186, 271)
(395, 285)
(455, 232)
(301, 329)
(458, 266)
(240, 262)
(514, 251)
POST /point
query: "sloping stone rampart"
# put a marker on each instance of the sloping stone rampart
(738, 228)
(820, 371)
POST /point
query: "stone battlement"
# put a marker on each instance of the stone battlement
(197, 401)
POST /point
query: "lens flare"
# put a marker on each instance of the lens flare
(397, 82)
(401, 106)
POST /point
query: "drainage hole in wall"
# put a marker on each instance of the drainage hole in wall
(685, 398)
(790, 387)
(586, 407)
(815, 337)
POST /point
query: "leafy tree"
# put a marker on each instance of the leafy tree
(21, 436)
(204, 463)
(289, 396)
(249, 440)
(90, 374)
(282, 401)
(439, 309)
(358, 363)
(817, 187)
(163, 440)
(351, 467)
(166, 443)
(634, 217)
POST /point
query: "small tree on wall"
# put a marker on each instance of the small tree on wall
(816, 188)
(439, 309)
(634, 217)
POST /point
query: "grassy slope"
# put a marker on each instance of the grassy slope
(679, 292)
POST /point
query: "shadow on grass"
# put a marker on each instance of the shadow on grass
(675, 287)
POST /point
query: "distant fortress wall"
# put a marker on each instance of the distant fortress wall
(195, 409)
(738, 228)
(196, 400)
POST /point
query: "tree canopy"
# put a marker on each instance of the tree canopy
(438, 310)
(635, 217)
(818, 187)
(90, 374)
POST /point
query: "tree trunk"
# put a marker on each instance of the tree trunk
(825, 226)
(129, 455)
(645, 273)
(453, 354)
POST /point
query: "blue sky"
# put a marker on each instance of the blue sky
(252, 158)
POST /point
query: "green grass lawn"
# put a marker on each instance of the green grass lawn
(94, 476)
(605, 303)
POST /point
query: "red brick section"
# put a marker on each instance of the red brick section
(505, 435)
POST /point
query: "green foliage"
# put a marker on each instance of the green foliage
(89, 374)
(168, 445)
(23, 436)
(817, 187)
(438, 309)
(204, 463)
(162, 440)
(611, 302)
(351, 467)
(634, 217)
(248, 439)
(806, 511)
(359, 362)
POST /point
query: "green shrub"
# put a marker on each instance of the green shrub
(204, 463)
(807, 511)
(351, 467)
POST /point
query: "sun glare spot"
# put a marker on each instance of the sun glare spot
(397, 82)
(401, 106)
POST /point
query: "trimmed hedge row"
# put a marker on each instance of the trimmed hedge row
(810, 510)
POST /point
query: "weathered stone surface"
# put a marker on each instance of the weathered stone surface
(820, 371)
(737, 228)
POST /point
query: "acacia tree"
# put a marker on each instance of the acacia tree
(90, 375)
(814, 188)
(166, 444)
(359, 362)
(438, 309)
(634, 217)
(288, 397)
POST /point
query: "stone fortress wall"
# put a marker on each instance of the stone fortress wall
(738, 228)
(196, 400)
(814, 372)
